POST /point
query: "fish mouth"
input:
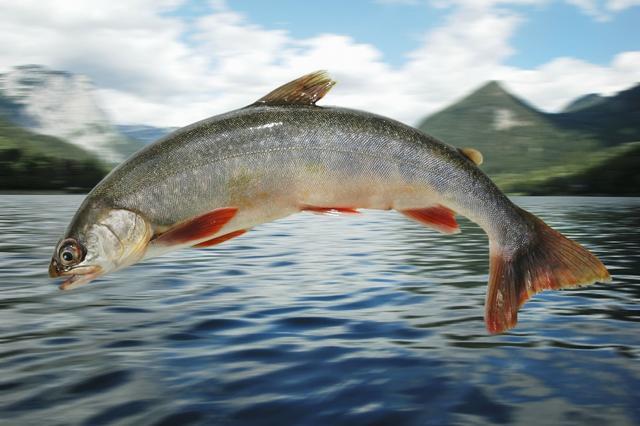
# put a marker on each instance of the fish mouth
(78, 276)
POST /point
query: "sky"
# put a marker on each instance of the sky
(172, 62)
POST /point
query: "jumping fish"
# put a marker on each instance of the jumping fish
(214, 180)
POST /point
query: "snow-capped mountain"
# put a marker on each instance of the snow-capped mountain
(60, 104)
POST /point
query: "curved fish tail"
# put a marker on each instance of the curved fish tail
(549, 261)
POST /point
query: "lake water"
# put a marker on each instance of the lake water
(369, 319)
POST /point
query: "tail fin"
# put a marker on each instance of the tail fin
(548, 261)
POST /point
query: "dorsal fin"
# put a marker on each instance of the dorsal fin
(306, 90)
(472, 154)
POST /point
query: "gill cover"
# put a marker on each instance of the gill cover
(119, 238)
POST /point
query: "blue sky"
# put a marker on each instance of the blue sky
(171, 62)
(560, 29)
(548, 30)
(395, 29)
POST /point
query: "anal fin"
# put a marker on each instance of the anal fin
(438, 217)
(221, 239)
(198, 228)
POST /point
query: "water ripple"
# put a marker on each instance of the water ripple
(369, 319)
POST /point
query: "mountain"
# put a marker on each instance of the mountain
(62, 105)
(513, 136)
(524, 149)
(14, 137)
(611, 171)
(144, 134)
(30, 161)
(588, 148)
(582, 102)
(612, 120)
(618, 175)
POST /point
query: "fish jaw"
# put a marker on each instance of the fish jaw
(76, 276)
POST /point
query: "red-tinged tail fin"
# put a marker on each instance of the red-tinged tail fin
(550, 261)
(439, 217)
(198, 228)
(221, 239)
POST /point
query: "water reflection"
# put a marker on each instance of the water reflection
(355, 319)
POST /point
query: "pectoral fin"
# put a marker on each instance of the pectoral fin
(198, 228)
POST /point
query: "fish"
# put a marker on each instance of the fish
(214, 180)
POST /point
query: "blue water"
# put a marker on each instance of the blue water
(369, 319)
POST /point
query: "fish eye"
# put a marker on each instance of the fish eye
(70, 252)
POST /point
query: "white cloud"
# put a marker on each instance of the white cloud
(155, 68)
(600, 10)
(603, 10)
(460, 54)
(554, 84)
(618, 5)
(128, 46)
(591, 8)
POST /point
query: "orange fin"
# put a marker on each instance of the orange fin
(548, 261)
(306, 90)
(330, 210)
(438, 217)
(473, 155)
(220, 239)
(197, 228)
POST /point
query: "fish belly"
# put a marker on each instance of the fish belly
(315, 187)
(263, 187)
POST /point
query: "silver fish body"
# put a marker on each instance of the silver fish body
(273, 159)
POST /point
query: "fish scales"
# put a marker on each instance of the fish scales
(283, 146)
(215, 179)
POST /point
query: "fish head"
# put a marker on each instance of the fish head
(99, 241)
